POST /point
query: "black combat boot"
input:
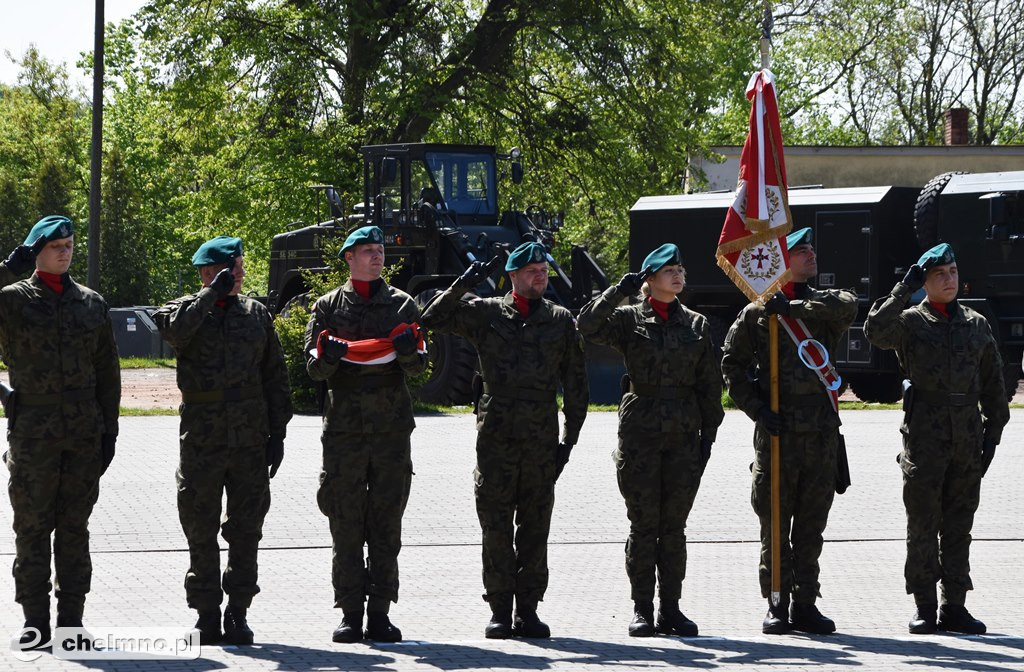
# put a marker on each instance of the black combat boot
(236, 628)
(528, 625)
(776, 621)
(671, 621)
(642, 624)
(208, 626)
(923, 622)
(34, 635)
(807, 618)
(69, 616)
(500, 625)
(351, 627)
(956, 618)
(380, 629)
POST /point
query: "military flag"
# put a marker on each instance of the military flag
(371, 351)
(752, 248)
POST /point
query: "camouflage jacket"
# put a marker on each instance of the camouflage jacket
(803, 399)
(957, 354)
(538, 355)
(360, 397)
(225, 348)
(59, 345)
(677, 353)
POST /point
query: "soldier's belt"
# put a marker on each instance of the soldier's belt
(659, 391)
(518, 393)
(25, 399)
(946, 398)
(228, 394)
(368, 382)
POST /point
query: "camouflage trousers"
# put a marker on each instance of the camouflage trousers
(53, 487)
(941, 491)
(205, 474)
(807, 487)
(658, 477)
(364, 487)
(515, 494)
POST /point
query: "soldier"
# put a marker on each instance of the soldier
(235, 407)
(807, 425)
(668, 417)
(952, 361)
(367, 462)
(57, 339)
(528, 347)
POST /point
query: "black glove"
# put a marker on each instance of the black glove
(562, 458)
(107, 442)
(705, 451)
(474, 275)
(771, 421)
(777, 305)
(914, 279)
(988, 451)
(405, 343)
(630, 283)
(329, 349)
(275, 453)
(224, 282)
(23, 258)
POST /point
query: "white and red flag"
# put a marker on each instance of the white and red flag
(752, 248)
(374, 350)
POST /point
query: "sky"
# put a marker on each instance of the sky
(60, 29)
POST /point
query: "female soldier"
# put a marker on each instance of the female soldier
(668, 417)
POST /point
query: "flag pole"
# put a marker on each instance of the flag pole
(773, 358)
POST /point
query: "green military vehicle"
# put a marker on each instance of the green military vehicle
(438, 206)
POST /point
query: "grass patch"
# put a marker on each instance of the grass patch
(137, 412)
(147, 363)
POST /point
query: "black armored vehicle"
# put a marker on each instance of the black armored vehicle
(865, 239)
(438, 207)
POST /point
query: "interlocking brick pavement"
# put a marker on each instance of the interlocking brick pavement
(140, 558)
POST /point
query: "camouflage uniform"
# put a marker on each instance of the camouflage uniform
(64, 366)
(523, 362)
(953, 364)
(809, 442)
(675, 397)
(367, 465)
(235, 394)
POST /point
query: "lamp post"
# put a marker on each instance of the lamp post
(96, 163)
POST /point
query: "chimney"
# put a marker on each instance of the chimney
(956, 127)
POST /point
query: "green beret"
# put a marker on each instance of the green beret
(219, 250)
(51, 227)
(665, 255)
(802, 237)
(939, 255)
(367, 235)
(526, 254)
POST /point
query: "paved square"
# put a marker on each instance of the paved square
(139, 559)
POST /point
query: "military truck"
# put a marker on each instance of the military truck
(866, 237)
(439, 209)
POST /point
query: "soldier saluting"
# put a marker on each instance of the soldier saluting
(528, 348)
(57, 339)
(954, 412)
(668, 418)
(368, 422)
(807, 425)
(235, 406)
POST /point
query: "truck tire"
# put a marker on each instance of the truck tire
(926, 210)
(882, 388)
(453, 362)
